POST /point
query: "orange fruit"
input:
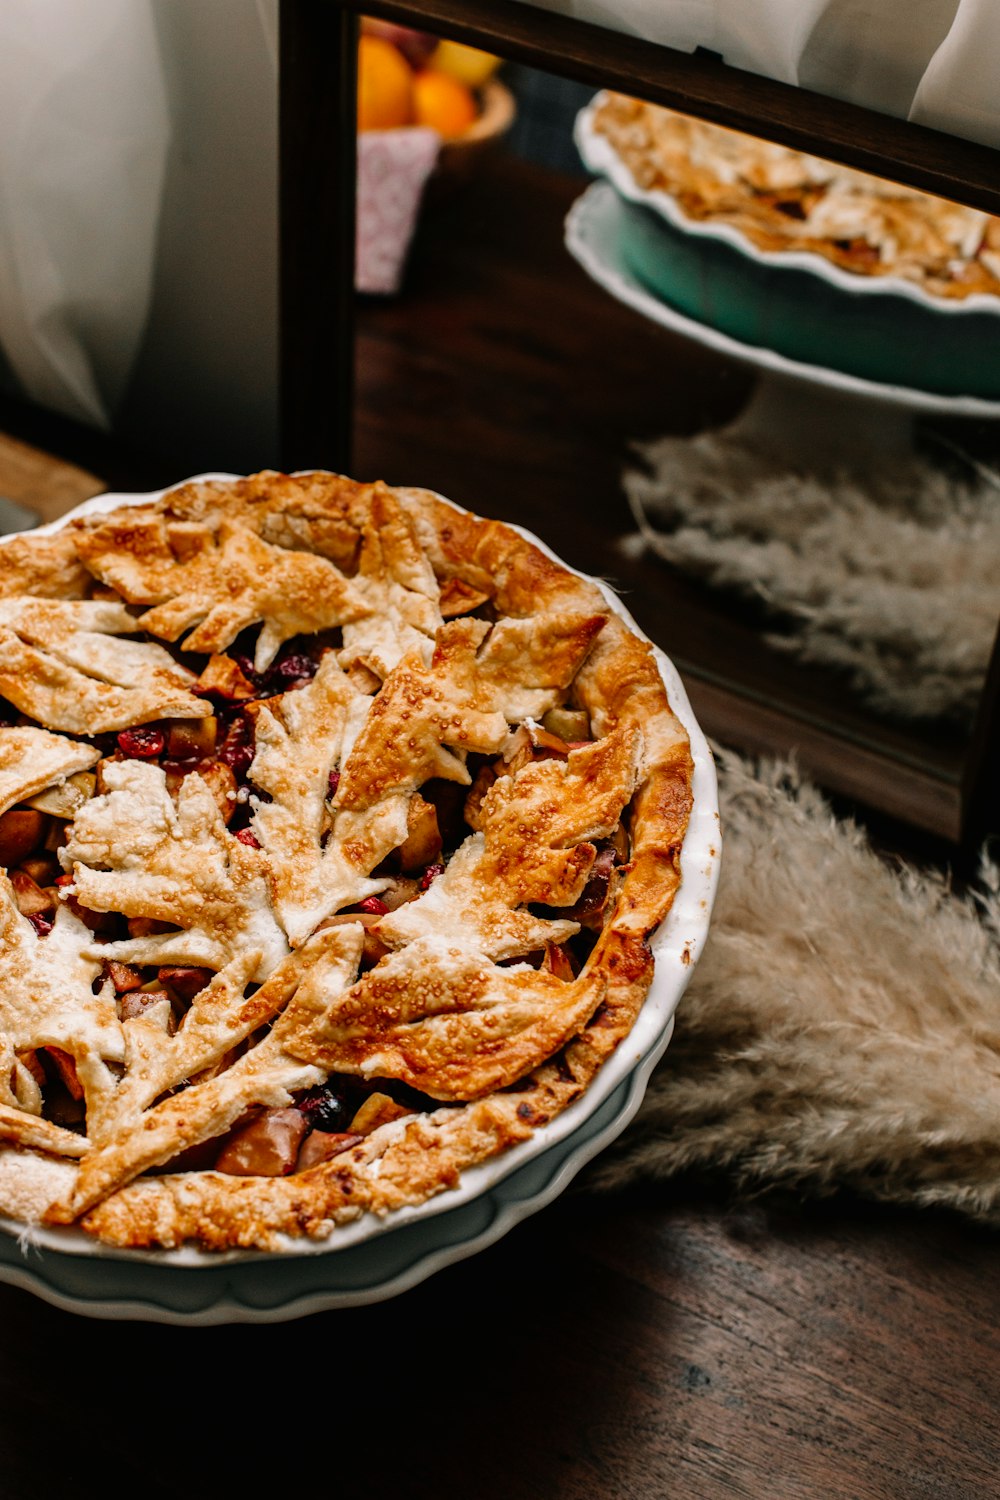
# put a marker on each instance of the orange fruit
(385, 86)
(443, 103)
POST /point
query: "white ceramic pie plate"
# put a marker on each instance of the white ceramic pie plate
(378, 1257)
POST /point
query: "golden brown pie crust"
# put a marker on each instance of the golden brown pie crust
(450, 1008)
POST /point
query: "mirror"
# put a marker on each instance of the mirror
(788, 464)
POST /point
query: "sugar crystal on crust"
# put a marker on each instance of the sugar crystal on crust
(32, 759)
(69, 664)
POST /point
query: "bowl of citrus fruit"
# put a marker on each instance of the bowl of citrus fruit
(409, 78)
(427, 109)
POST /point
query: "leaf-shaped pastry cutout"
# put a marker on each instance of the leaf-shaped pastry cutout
(32, 759)
(312, 512)
(219, 582)
(66, 664)
(427, 717)
(530, 662)
(298, 743)
(533, 846)
(399, 583)
(132, 851)
(420, 718)
(47, 999)
(134, 1137)
(445, 1021)
(460, 906)
(45, 566)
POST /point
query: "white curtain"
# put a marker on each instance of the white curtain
(936, 61)
(138, 218)
(83, 144)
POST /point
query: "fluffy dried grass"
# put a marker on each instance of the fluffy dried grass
(842, 1029)
(888, 576)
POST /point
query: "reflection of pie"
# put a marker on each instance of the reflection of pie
(785, 200)
(335, 821)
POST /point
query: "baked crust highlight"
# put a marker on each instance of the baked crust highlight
(471, 996)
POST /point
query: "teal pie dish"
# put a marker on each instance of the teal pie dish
(795, 303)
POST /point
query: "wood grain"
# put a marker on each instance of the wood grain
(675, 1344)
(42, 483)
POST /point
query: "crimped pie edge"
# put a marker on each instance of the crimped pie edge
(676, 942)
(600, 156)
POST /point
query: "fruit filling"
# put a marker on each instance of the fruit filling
(221, 748)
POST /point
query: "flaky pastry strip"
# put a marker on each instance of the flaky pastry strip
(265, 1075)
(32, 759)
(299, 741)
(21, 1129)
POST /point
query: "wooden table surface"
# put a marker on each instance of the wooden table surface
(665, 1343)
(608, 1349)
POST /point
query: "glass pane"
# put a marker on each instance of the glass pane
(782, 451)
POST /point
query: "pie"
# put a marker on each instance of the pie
(785, 200)
(335, 823)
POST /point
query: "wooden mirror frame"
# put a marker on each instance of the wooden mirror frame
(317, 154)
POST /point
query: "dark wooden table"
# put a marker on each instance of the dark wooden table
(667, 1343)
(606, 1350)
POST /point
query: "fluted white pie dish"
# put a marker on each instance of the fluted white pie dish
(375, 1257)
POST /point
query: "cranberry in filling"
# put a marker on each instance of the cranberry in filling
(326, 1107)
(292, 670)
(373, 907)
(237, 749)
(142, 743)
